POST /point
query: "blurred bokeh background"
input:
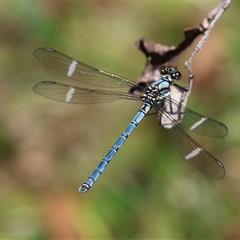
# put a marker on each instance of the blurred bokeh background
(48, 149)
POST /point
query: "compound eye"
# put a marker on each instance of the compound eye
(177, 75)
(164, 70)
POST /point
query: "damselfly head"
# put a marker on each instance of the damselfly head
(171, 71)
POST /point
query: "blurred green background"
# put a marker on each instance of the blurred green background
(48, 149)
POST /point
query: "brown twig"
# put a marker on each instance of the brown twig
(207, 25)
(158, 54)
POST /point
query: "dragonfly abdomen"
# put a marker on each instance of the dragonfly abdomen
(124, 135)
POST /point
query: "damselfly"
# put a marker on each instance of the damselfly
(172, 115)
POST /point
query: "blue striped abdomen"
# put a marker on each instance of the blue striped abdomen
(99, 169)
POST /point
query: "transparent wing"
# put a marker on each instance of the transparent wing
(191, 120)
(192, 152)
(71, 94)
(79, 71)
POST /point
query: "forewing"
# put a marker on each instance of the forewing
(79, 71)
(203, 125)
(191, 120)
